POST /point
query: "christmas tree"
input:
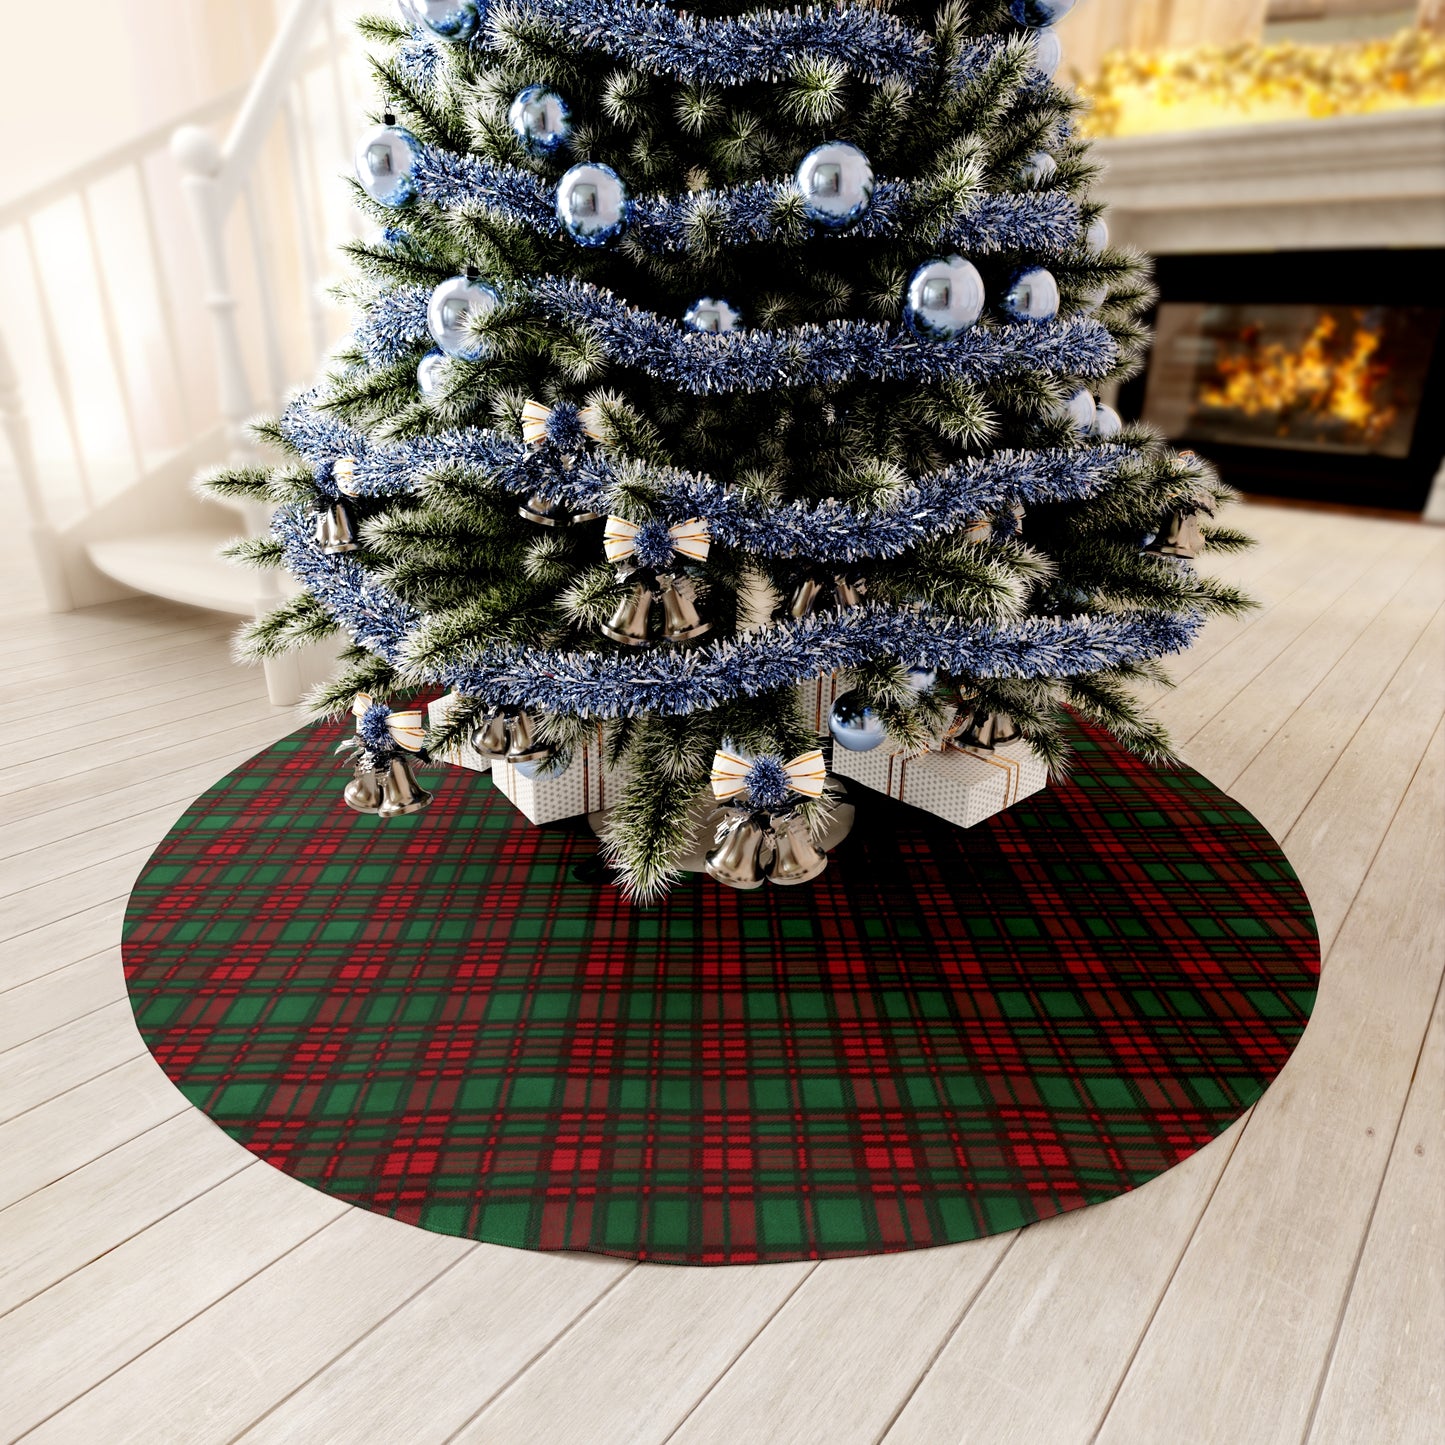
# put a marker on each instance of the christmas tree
(705, 353)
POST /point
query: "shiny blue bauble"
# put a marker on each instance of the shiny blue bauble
(385, 164)
(541, 120)
(1039, 169)
(593, 205)
(431, 373)
(836, 180)
(1033, 295)
(1082, 411)
(451, 311)
(1096, 238)
(1039, 12)
(542, 770)
(1048, 53)
(1107, 422)
(855, 725)
(714, 315)
(449, 19)
(944, 298)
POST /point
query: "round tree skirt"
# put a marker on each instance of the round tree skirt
(454, 1020)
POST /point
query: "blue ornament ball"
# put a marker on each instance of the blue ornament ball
(449, 315)
(1082, 411)
(1107, 422)
(541, 120)
(714, 315)
(593, 205)
(1039, 12)
(1033, 295)
(944, 298)
(386, 162)
(855, 725)
(1039, 169)
(542, 770)
(836, 180)
(431, 373)
(1048, 53)
(449, 19)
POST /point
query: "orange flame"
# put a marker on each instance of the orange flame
(1326, 378)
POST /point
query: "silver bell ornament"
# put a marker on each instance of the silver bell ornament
(386, 162)
(987, 730)
(544, 512)
(593, 204)
(493, 737)
(848, 590)
(336, 529)
(681, 620)
(736, 858)
(400, 792)
(631, 621)
(1180, 534)
(713, 315)
(454, 307)
(448, 19)
(836, 180)
(1082, 411)
(363, 792)
(1034, 13)
(1033, 295)
(944, 298)
(541, 120)
(1107, 422)
(855, 724)
(522, 745)
(796, 857)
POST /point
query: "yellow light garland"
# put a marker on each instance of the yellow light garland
(1216, 85)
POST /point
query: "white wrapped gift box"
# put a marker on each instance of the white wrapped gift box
(464, 755)
(586, 787)
(816, 698)
(963, 785)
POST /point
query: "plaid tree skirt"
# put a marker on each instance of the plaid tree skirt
(451, 1021)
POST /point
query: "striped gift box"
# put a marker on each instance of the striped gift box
(962, 785)
(464, 755)
(816, 698)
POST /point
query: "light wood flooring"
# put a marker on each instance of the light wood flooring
(1287, 1284)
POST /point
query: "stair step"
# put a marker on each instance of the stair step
(183, 566)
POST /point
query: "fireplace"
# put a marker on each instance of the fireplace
(1309, 374)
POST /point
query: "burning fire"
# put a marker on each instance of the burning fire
(1329, 378)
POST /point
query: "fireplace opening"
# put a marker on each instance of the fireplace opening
(1315, 375)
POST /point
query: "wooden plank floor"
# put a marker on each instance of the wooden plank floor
(158, 1284)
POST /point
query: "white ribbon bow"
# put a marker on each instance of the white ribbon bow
(407, 729)
(536, 415)
(807, 775)
(689, 539)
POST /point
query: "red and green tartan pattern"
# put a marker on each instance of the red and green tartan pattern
(453, 1020)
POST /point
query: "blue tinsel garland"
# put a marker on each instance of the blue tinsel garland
(710, 364)
(678, 682)
(1042, 223)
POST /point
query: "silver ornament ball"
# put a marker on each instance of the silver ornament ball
(1040, 168)
(855, 724)
(454, 305)
(1033, 295)
(431, 373)
(1107, 422)
(1096, 237)
(386, 162)
(944, 298)
(1039, 12)
(1048, 53)
(921, 678)
(541, 120)
(593, 204)
(836, 180)
(449, 19)
(1082, 411)
(714, 315)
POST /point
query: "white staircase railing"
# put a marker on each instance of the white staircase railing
(131, 356)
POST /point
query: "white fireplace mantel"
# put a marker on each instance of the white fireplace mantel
(1350, 182)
